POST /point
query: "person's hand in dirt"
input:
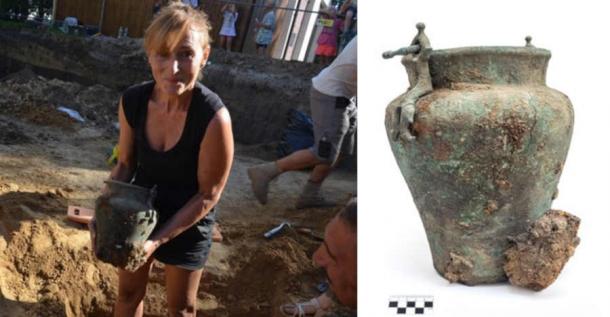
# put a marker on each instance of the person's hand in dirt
(140, 255)
(315, 307)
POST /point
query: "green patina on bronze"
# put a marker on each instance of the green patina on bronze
(481, 147)
(125, 218)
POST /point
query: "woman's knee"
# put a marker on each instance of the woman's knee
(131, 296)
(132, 286)
(183, 304)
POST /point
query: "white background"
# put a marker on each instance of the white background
(394, 258)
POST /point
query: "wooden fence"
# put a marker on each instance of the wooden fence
(133, 14)
(137, 14)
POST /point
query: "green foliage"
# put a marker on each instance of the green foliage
(17, 6)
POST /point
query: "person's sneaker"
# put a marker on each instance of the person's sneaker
(311, 197)
(260, 176)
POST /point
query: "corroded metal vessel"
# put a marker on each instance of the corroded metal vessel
(125, 218)
(481, 141)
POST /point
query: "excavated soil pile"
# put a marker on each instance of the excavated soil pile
(258, 91)
(35, 99)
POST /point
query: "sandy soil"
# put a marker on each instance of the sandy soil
(49, 161)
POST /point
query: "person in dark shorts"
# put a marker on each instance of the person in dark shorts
(332, 100)
(265, 28)
(175, 134)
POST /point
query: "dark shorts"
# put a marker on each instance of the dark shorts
(190, 249)
(261, 45)
(334, 126)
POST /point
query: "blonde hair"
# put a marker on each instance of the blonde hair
(170, 25)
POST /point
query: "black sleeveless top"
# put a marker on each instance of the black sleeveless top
(174, 171)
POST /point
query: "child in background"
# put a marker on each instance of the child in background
(264, 35)
(227, 32)
(328, 39)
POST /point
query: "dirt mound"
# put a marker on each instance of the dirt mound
(47, 267)
(35, 99)
(264, 273)
(45, 262)
(54, 267)
(12, 134)
(43, 114)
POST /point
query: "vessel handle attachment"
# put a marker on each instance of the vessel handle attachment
(411, 49)
(415, 59)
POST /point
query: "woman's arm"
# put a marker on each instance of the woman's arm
(348, 20)
(224, 8)
(326, 10)
(344, 7)
(269, 25)
(215, 160)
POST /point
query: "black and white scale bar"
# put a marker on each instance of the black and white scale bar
(411, 305)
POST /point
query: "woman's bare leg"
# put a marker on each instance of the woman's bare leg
(132, 288)
(181, 286)
(222, 41)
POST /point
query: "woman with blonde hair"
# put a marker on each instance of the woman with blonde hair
(175, 134)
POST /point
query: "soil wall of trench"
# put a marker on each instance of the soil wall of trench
(258, 91)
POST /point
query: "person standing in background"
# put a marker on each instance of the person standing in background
(328, 38)
(350, 10)
(227, 32)
(264, 35)
(157, 7)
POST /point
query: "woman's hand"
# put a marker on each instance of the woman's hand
(149, 247)
(141, 254)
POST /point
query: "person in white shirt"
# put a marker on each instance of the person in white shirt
(334, 114)
(228, 32)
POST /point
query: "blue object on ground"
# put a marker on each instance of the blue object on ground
(322, 287)
(297, 135)
(72, 113)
